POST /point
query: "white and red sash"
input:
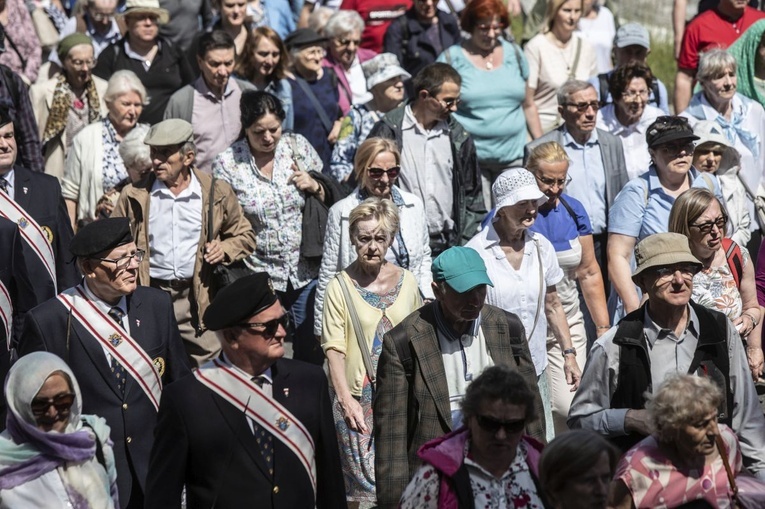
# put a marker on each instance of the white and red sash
(246, 396)
(31, 232)
(6, 313)
(115, 340)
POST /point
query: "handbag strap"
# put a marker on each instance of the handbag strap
(578, 53)
(731, 478)
(358, 330)
(541, 289)
(315, 103)
(210, 211)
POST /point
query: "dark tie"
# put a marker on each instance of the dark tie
(4, 184)
(117, 368)
(263, 437)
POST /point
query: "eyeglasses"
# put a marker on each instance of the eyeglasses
(486, 28)
(347, 42)
(88, 64)
(63, 402)
(677, 148)
(552, 182)
(124, 261)
(632, 94)
(664, 274)
(583, 107)
(268, 329)
(491, 425)
(447, 103)
(377, 173)
(101, 16)
(706, 227)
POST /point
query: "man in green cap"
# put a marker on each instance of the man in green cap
(65, 104)
(430, 358)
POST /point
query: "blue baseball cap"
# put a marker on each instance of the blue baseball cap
(462, 268)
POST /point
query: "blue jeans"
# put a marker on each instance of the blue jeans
(299, 303)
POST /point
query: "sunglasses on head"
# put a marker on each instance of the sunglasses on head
(63, 402)
(377, 173)
(491, 425)
(269, 328)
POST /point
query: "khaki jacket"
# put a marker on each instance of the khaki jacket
(230, 227)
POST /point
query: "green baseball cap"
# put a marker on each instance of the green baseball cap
(462, 268)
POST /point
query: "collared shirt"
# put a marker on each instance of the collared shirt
(175, 226)
(216, 121)
(427, 170)
(519, 291)
(465, 357)
(588, 178)
(10, 177)
(135, 56)
(267, 387)
(633, 136)
(105, 307)
(591, 407)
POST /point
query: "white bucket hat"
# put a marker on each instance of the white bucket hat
(381, 68)
(710, 131)
(514, 186)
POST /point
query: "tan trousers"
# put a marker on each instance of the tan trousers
(559, 389)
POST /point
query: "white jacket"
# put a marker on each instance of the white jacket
(339, 252)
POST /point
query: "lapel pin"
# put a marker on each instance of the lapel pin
(26, 189)
(138, 323)
(286, 392)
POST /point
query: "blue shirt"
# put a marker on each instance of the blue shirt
(588, 178)
(559, 226)
(663, 96)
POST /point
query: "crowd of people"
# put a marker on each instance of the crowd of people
(508, 273)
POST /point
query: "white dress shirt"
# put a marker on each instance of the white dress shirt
(10, 177)
(105, 307)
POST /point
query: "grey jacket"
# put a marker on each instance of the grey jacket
(181, 103)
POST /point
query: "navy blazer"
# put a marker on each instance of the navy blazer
(206, 444)
(131, 417)
(40, 196)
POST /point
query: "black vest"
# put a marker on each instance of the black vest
(634, 379)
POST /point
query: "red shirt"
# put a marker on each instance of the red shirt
(377, 15)
(711, 30)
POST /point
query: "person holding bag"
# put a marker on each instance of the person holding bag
(362, 303)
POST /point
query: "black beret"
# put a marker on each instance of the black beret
(102, 235)
(235, 303)
(303, 37)
(6, 115)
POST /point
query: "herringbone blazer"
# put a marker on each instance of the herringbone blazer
(405, 417)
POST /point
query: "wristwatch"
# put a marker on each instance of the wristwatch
(571, 351)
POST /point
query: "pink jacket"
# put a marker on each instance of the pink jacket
(343, 87)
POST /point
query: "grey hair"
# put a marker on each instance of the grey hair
(570, 88)
(188, 147)
(133, 151)
(680, 400)
(713, 63)
(123, 82)
(343, 22)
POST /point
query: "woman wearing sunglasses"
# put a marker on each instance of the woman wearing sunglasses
(487, 458)
(725, 283)
(50, 454)
(377, 165)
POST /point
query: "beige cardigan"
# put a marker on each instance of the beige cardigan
(337, 330)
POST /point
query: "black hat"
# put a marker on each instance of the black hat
(235, 303)
(303, 37)
(99, 236)
(667, 129)
(6, 115)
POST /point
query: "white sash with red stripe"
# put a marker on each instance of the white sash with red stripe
(246, 396)
(115, 340)
(30, 232)
(6, 313)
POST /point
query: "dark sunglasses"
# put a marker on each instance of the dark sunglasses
(269, 328)
(63, 402)
(377, 173)
(705, 228)
(491, 425)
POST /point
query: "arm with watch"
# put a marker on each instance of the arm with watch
(556, 321)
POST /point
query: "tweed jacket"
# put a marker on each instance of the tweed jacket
(230, 227)
(611, 152)
(414, 414)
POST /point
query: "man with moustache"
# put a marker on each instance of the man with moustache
(428, 360)
(211, 103)
(120, 340)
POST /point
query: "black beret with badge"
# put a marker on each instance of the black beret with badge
(99, 236)
(238, 301)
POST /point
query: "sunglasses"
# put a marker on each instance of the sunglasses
(491, 425)
(377, 173)
(269, 328)
(665, 274)
(63, 402)
(707, 226)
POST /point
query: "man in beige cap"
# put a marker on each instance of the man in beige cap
(169, 213)
(668, 334)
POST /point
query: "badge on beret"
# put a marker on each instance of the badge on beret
(48, 234)
(283, 423)
(115, 339)
(159, 365)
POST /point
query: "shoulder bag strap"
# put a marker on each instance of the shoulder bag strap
(16, 49)
(357, 329)
(210, 211)
(578, 53)
(315, 103)
(570, 211)
(731, 478)
(541, 289)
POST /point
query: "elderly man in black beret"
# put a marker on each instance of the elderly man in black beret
(250, 427)
(120, 340)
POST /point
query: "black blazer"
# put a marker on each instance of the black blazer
(40, 196)
(202, 441)
(131, 417)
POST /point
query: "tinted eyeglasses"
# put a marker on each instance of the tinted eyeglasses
(687, 271)
(63, 402)
(491, 425)
(552, 182)
(124, 261)
(583, 107)
(377, 173)
(676, 148)
(269, 328)
(706, 227)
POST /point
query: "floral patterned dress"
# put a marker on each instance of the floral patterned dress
(357, 453)
(715, 288)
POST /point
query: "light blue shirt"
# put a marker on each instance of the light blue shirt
(588, 178)
(663, 95)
